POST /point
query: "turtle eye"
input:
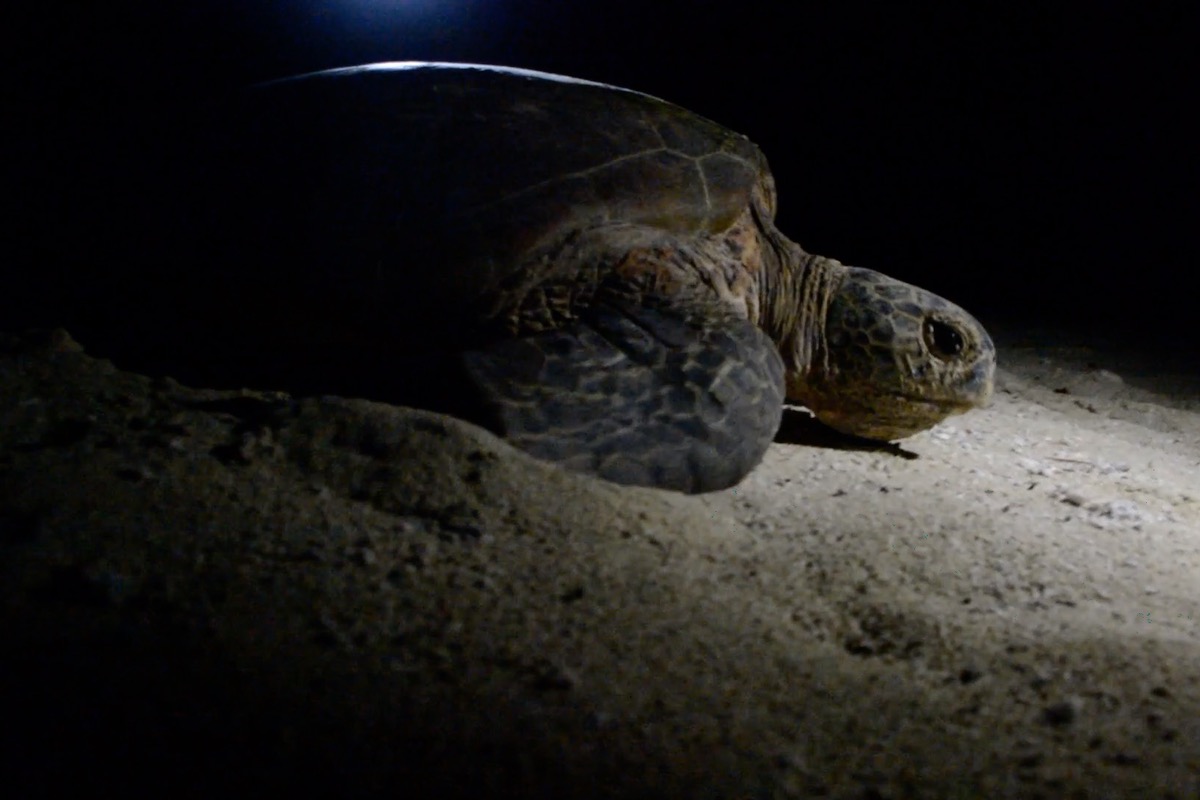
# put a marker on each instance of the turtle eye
(943, 340)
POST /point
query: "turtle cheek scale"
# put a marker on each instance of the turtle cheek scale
(879, 376)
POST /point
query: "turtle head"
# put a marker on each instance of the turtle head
(891, 359)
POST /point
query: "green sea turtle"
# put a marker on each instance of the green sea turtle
(591, 272)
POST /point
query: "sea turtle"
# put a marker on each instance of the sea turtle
(589, 271)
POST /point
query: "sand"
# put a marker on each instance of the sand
(242, 592)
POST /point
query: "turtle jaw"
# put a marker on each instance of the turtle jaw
(875, 413)
(889, 422)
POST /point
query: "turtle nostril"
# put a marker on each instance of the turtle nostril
(943, 340)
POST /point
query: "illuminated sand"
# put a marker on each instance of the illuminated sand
(209, 592)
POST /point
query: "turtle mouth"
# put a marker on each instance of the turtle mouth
(912, 415)
(948, 406)
(902, 417)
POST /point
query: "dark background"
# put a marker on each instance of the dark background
(1034, 162)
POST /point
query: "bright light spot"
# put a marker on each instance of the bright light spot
(406, 7)
(372, 30)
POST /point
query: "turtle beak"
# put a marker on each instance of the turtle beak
(979, 385)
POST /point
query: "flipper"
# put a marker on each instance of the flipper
(636, 395)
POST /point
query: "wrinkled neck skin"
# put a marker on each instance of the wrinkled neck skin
(795, 299)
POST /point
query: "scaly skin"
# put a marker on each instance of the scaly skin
(869, 355)
(892, 359)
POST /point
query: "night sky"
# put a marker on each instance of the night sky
(1033, 162)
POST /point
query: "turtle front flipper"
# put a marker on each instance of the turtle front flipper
(637, 396)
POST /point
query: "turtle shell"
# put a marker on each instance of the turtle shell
(432, 185)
